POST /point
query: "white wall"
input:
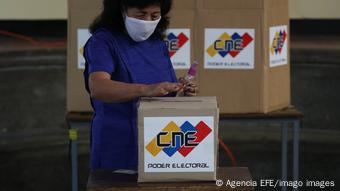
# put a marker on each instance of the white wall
(57, 9)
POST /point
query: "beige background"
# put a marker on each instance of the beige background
(57, 9)
(33, 9)
(323, 9)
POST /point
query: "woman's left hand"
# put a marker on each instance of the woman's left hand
(190, 88)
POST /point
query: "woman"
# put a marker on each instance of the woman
(126, 59)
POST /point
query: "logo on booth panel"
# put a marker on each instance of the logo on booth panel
(229, 44)
(174, 43)
(82, 37)
(278, 42)
(278, 45)
(182, 139)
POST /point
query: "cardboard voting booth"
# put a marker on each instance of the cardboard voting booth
(242, 47)
(80, 15)
(177, 139)
(180, 35)
(82, 12)
(244, 54)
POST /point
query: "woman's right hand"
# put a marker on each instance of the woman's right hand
(161, 89)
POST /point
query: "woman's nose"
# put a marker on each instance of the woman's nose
(148, 18)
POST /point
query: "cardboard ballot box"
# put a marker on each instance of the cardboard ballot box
(244, 54)
(177, 139)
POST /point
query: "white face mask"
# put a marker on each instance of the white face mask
(140, 30)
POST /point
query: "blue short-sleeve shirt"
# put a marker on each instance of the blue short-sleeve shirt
(114, 125)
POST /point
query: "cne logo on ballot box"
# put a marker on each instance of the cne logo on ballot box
(178, 148)
(182, 139)
(177, 139)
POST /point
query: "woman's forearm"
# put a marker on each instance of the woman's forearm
(104, 89)
(112, 91)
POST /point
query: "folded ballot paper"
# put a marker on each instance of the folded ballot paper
(177, 139)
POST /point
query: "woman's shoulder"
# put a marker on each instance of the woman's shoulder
(107, 35)
(101, 38)
(102, 34)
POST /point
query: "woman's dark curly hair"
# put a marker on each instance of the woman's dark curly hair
(112, 18)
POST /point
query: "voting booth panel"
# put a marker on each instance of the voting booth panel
(244, 55)
(82, 12)
(179, 38)
(242, 48)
